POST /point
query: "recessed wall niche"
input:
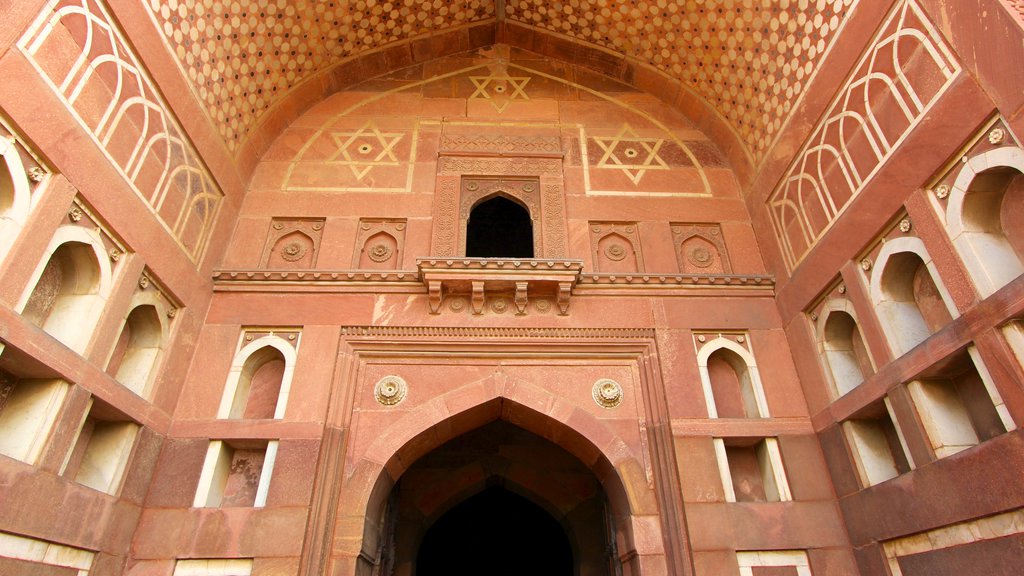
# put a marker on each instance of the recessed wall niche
(292, 243)
(145, 335)
(700, 248)
(28, 411)
(983, 200)
(70, 286)
(729, 376)
(956, 401)
(102, 449)
(380, 244)
(615, 247)
(908, 295)
(259, 382)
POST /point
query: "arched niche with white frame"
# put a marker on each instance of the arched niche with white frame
(260, 380)
(732, 385)
(15, 194)
(908, 296)
(983, 217)
(69, 287)
(145, 333)
(841, 347)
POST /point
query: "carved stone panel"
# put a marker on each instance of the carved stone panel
(292, 243)
(380, 244)
(615, 247)
(700, 249)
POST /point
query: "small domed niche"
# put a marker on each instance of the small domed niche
(379, 244)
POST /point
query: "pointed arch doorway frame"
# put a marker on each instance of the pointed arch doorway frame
(359, 464)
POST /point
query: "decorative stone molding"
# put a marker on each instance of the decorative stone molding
(380, 244)
(390, 390)
(491, 279)
(607, 393)
(469, 333)
(615, 247)
(292, 243)
(501, 143)
(668, 280)
(700, 248)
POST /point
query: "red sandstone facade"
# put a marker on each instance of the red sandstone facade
(769, 322)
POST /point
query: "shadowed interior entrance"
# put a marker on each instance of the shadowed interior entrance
(499, 500)
(499, 530)
(499, 228)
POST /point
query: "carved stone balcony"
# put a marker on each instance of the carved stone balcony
(478, 277)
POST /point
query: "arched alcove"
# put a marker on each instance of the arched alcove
(597, 459)
(380, 251)
(260, 380)
(482, 488)
(843, 351)
(499, 227)
(984, 218)
(70, 288)
(732, 385)
(616, 253)
(138, 348)
(909, 302)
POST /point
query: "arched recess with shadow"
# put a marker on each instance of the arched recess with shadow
(499, 227)
(515, 439)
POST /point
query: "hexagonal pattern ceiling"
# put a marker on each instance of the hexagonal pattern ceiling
(749, 59)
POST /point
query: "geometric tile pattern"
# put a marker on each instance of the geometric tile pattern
(79, 49)
(242, 56)
(750, 59)
(365, 148)
(628, 152)
(904, 70)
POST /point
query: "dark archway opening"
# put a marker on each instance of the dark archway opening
(499, 228)
(498, 500)
(495, 532)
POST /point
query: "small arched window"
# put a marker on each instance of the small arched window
(499, 227)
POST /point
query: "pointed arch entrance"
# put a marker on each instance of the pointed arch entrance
(384, 537)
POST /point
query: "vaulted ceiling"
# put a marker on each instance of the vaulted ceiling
(748, 60)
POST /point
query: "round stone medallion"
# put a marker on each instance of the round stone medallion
(607, 393)
(390, 390)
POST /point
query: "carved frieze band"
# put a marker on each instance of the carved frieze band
(500, 144)
(479, 333)
(500, 166)
(78, 48)
(905, 70)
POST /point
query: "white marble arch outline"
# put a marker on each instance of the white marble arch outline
(705, 353)
(837, 305)
(990, 259)
(885, 307)
(76, 338)
(154, 299)
(289, 353)
(12, 219)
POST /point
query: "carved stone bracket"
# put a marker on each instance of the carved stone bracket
(486, 279)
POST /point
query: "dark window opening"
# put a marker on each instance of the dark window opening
(498, 533)
(499, 228)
